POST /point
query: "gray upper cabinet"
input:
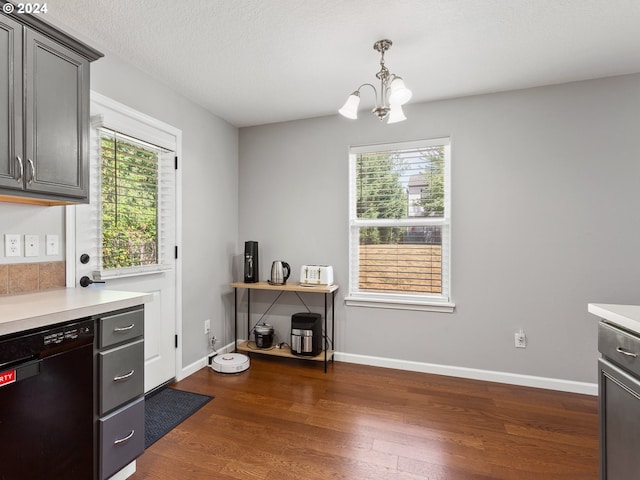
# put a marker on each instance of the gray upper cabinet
(44, 113)
(10, 102)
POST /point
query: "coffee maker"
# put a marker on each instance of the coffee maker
(251, 274)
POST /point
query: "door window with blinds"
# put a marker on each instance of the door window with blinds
(400, 220)
(132, 210)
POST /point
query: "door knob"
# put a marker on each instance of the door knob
(86, 281)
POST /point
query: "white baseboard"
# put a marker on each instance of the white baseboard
(436, 369)
(125, 473)
(202, 362)
(472, 373)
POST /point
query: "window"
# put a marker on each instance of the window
(400, 225)
(129, 199)
(129, 226)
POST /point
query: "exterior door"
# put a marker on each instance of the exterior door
(91, 259)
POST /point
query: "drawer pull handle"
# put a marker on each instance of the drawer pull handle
(626, 352)
(122, 440)
(123, 377)
(124, 329)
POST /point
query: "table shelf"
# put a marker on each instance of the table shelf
(329, 291)
(289, 287)
(285, 352)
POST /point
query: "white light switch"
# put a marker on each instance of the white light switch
(31, 246)
(52, 244)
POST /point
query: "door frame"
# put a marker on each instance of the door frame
(70, 227)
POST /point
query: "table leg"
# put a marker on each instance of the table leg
(248, 314)
(235, 320)
(326, 334)
(333, 323)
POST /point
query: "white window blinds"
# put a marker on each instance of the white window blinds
(399, 222)
(130, 174)
(136, 189)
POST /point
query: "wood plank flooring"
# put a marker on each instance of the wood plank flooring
(286, 419)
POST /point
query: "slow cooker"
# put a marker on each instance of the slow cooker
(263, 335)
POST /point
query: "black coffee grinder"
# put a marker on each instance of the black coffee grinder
(251, 274)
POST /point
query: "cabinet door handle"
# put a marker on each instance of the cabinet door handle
(124, 439)
(19, 179)
(626, 352)
(33, 171)
(123, 377)
(124, 329)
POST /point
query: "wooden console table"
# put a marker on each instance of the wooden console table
(328, 291)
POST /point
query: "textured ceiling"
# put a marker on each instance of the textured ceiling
(253, 62)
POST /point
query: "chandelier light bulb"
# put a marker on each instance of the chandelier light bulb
(350, 107)
(398, 93)
(396, 114)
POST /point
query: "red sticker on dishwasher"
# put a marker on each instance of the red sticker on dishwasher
(7, 377)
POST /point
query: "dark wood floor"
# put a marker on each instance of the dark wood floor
(286, 419)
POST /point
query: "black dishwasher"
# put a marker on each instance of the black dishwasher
(47, 403)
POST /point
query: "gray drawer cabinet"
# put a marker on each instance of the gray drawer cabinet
(121, 437)
(121, 375)
(619, 403)
(121, 327)
(120, 389)
(44, 110)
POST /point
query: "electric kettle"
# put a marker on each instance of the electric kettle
(280, 271)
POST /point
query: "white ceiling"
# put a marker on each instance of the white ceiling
(253, 62)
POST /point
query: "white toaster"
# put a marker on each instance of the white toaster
(316, 275)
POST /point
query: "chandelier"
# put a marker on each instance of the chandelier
(393, 93)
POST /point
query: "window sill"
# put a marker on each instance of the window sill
(130, 272)
(396, 304)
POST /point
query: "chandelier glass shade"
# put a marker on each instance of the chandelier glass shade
(393, 93)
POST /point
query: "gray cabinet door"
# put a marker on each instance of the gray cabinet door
(619, 423)
(57, 116)
(10, 103)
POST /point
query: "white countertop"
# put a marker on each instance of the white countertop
(33, 310)
(625, 316)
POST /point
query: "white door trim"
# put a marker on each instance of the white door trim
(70, 223)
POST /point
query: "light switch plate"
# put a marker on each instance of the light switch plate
(53, 244)
(31, 246)
(12, 245)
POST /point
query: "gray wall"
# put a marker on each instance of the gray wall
(545, 219)
(31, 220)
(209, 189)
(209, 166)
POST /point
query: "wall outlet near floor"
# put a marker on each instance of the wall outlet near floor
(207, 326)
(12, 245)
(520, 339)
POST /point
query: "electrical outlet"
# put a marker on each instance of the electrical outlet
(12, 245)
(520, 339)
(31, 245)
(207, 326)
